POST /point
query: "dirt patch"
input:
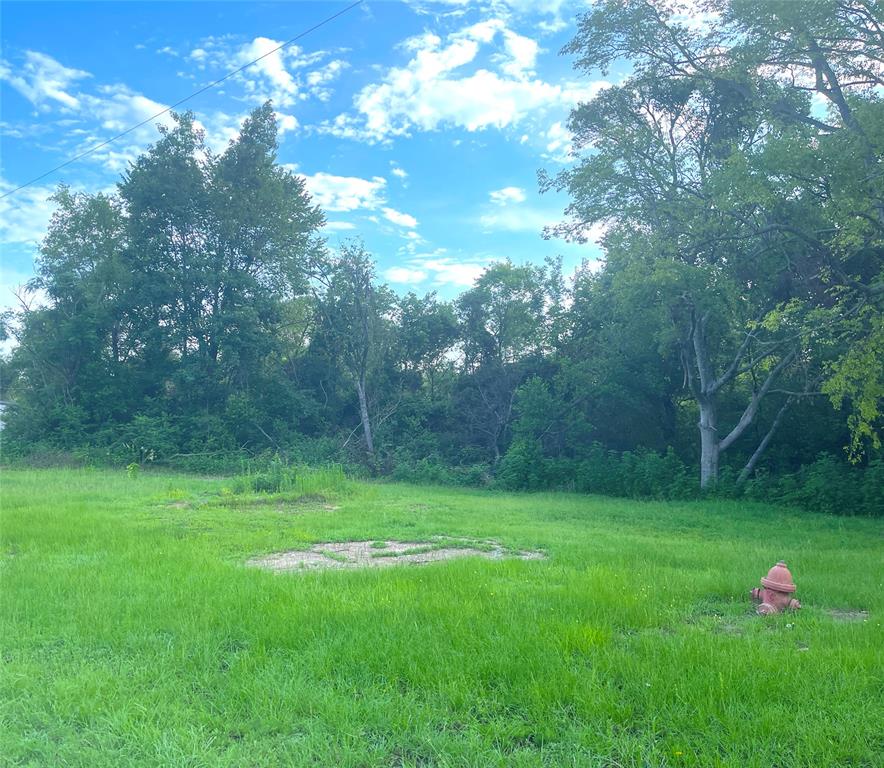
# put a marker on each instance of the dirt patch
(287, 504)
(844, 614)
(310, 498)
(381, 554)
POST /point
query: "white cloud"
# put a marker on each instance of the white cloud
(404, 275)
(13, 294)
(113, 109)
(507, 195)
(318, 79)
(285, 75)
(346, 193)
(221, 128)
(399, 173)
(118, 107)
(435, 89)
(24, 219)
(518, 219)
(440, 268)
(338, 226)
(42, 79)
(271, 67)
(596, 232)
(399, 218)
(94, 116)
(695, 15)
(24, 216)
(558, 143)
(450, 271)
(558, 10)
(351, 193)
(522, 54)
(514, 216)
(286, 122)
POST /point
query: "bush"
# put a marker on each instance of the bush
(523, 468)
(826, 485)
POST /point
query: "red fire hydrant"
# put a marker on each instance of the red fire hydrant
(777, 590)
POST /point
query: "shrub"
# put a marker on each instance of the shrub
(523, 468)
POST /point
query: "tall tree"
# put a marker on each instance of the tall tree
(503, 326)
(427, 332)
(72, 354)
(170, 297)
(669, 146)
(834, 50)
(355, 316)
(219, 243)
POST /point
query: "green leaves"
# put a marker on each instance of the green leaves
(169, 295)
(742, 218)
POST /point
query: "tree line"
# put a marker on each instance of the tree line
(733, 332)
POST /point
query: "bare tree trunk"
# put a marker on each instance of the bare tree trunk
(709, 444)
(496, 447)
(363, 414)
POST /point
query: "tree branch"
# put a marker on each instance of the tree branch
(762, 446)
(752, 409)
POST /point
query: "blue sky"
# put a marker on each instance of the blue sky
(419, 126)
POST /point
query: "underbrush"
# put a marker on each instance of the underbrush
(826, 485)
(280, 477)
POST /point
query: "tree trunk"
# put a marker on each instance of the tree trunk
(709, 444)
(496, 447)
(363, 413)
(750, 465)
(705, 387)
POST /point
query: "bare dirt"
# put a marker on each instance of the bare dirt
(382, 554)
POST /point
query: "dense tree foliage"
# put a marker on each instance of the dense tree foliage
(751, 224)
(733, 334)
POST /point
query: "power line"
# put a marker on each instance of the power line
(186, 98)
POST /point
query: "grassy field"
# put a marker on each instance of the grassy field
(133, 634)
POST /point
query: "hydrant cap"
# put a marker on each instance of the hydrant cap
(779, 578)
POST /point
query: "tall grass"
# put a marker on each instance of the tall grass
(280, 477)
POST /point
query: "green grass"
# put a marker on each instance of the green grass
(293, 480)
(132, 633)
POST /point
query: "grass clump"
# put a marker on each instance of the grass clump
(294, 480)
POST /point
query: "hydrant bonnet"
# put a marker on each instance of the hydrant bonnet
(779, 578)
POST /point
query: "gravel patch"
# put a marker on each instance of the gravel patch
(384, 554)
